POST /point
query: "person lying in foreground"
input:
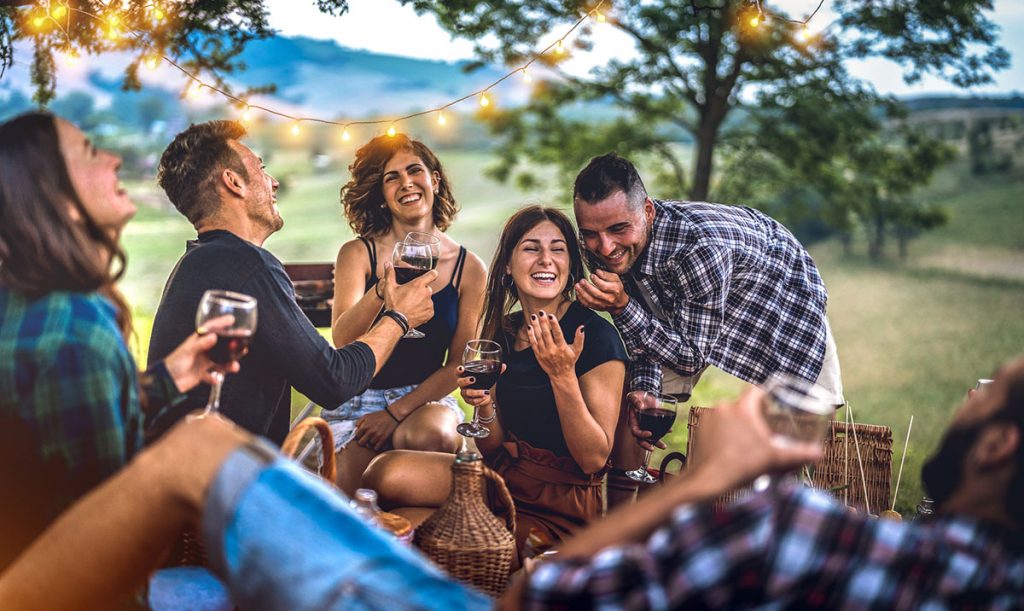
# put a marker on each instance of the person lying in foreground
(282, 540)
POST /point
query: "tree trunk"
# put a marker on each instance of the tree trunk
(711, 116)
(903, 240)
(876, 238)
(846, 238)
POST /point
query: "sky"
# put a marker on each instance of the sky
(386, 26)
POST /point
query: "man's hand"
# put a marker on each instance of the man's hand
(736, 444)
(636, 400)
(603, 292)
(374, 430)
(412, 298)
(189, 364)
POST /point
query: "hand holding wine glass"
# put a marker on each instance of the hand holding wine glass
(190, 364)
(481, 365)
(232, 340)
(653, 415)
(413, 257)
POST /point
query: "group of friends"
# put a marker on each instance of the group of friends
(101, 460)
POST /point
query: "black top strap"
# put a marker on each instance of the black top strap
(371, 250)
(457, 272)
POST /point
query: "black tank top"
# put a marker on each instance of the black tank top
(414, 360)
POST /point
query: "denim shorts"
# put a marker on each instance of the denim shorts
(343, 419)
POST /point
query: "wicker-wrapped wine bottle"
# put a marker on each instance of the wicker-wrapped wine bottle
(464, 537)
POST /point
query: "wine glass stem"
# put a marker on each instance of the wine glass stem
(647, 459)
(213, 404)
(476, 417)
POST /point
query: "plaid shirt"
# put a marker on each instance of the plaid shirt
(796, 549)
(69, 403)
(738, 291)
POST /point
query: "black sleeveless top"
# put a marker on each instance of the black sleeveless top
(525, 398)
(414, 360)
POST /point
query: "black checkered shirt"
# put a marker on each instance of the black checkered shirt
(738, 291)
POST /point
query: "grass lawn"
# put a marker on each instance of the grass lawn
(912, 336)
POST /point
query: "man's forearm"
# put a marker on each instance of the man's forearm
(382, 339)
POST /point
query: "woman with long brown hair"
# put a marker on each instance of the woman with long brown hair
(552, 413)
(398, 186)
(70, 395)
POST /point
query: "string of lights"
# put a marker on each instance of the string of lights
(115, 30)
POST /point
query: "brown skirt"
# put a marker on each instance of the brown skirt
(551, 493)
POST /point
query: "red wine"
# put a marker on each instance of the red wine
(230, 346)
(485, 371)
(657, 421)
(407, 274)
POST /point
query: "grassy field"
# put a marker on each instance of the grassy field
(912, 336)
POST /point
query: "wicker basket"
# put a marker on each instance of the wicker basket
(291, 444)
(839, 470)
(463, 537)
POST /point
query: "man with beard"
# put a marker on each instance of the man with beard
(692, 284)
(792, 547)
(223, 189)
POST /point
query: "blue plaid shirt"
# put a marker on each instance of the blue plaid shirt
(69, 406)
(738, 292)
(796, 549)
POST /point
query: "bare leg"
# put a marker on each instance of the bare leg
(352, 460)
(107, 544)
(404, 478)
(431, 428)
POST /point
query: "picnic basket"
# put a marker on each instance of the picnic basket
(464, 537)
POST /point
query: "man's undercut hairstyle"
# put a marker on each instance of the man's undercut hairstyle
(606, 175)
(192, 164)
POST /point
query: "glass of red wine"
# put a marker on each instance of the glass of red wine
(482, 360)
(232, 341)
(796, 411)
(654, 413)
(413, 257)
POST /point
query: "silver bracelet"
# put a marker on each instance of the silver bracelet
(480, 419)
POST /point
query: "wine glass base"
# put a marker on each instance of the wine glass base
(414, 334)
(641, 475)
(468, 429)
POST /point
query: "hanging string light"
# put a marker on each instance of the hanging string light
(345, 136)
(295, 128)
(392, 131)
(440, 118)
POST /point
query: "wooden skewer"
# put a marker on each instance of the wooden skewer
(860, 461)
(906, 443)
(846, 460)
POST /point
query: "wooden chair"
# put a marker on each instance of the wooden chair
(839, 470)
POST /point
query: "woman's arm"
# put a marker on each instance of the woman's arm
(443, 381)
(354, 309)
(588, 407)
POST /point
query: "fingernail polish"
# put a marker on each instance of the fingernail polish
(487, 392)
(533, 317)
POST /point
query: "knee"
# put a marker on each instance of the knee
(383, 476)
(432, 438)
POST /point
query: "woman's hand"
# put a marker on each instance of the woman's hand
(374, 430)
(556, 357)
(476, 398)
(189, 364)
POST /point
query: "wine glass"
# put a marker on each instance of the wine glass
(412, 259)
(482, 360)
(233, 340)
(796, 411)
(654, 413)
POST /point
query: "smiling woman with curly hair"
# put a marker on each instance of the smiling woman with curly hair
(399, 186)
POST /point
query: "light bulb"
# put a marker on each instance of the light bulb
(60, 11)
(804, 34)
(755, 21)
(391, 131)
(158, 14)
(113, 34)
(560, 48)
(295, 128)
(440, 118)
(600, 17)
(247, 115)
(526, 76)
(345, 135)
(152, 62)
(484, 100)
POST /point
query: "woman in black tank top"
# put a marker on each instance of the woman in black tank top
(398, 185)
(558, 394)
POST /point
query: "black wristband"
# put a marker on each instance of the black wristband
(399, 318)
(392, 415)
(376, 290)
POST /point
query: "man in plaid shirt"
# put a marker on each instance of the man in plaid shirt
(692, 284)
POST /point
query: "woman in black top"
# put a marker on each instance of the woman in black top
(554, 409)
(398, 185)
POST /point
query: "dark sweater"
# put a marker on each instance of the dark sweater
(285, 351)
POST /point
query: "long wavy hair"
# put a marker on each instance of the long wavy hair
(502, 295)
(43, 248)
(362, 197)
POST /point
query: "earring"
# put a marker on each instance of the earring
(506, 280)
